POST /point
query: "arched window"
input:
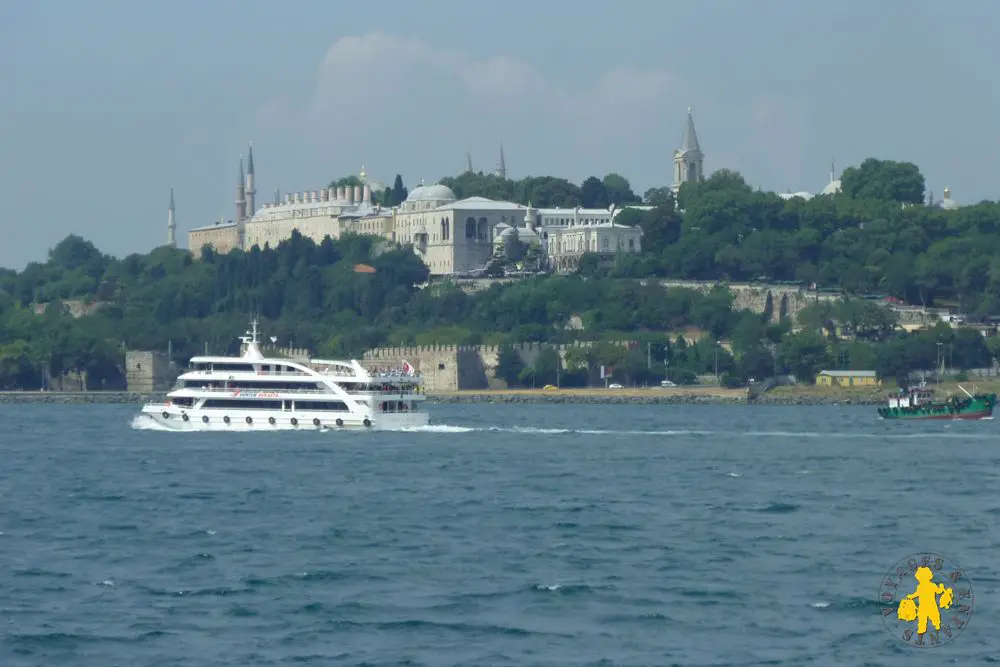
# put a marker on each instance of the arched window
(470, 228)
(445, 230)
(484, 229)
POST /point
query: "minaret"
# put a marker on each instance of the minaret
(241, 200)
(468, 163)
(689, 161)
(501, 166)
(171, 223)
(251, 191)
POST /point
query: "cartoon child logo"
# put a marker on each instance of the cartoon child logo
(940, 603)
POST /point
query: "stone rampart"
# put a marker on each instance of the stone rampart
(781, 300)
(448, 368)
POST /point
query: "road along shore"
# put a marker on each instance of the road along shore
(651, 396)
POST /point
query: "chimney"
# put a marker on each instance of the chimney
(367, 196)
(340, 194)
(349, 191)
(357, 194)
(298, 197)
(315, 195)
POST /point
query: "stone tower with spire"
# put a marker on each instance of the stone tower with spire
(501, 170)
(251, 191)
(689, 161)
(241, 199)
(171, 222)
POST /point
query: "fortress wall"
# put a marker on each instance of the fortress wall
(449, 368)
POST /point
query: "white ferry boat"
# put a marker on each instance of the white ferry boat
(255, 393)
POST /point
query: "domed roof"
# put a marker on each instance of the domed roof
(437, 192)
(416, 193)
(832, 188)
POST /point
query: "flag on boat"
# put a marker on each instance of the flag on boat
(408, 369)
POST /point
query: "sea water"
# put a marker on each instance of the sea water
(541, 535)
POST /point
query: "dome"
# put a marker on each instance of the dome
(416, 193)
(508, 233)
(832, 188)
(437, 192)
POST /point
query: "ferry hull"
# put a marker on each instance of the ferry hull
(980, 407)
(172, 418)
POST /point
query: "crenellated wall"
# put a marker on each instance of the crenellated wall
(297, 354)
(448, 368)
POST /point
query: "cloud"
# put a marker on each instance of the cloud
(377, 81)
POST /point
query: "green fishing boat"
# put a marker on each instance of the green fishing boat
(919, 403)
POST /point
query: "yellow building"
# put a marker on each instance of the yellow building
(847, 379)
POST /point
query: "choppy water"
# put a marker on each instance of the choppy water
(504, 535)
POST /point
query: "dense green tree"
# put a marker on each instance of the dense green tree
(594, 194)
(509, 366)
(884, 179)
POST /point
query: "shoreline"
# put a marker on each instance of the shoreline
(651, 396)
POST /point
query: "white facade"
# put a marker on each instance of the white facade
(566, 245)
(452, 236)
(314, 214)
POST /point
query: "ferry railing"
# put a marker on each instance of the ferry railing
(323, 372)
(267, 390)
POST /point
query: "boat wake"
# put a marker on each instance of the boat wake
(528, 430)
(141, 423)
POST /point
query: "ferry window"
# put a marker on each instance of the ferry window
(325, 406)
(232, 367)
(235, 404)
(265, 385)
(184, 401)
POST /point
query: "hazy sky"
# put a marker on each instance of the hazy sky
(106, 104)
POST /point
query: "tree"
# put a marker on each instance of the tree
(884, 179)
(594, 194)
(804, 355)
(509, 366)
(618, 190)
(399, 193)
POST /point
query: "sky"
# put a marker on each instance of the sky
(106, 104)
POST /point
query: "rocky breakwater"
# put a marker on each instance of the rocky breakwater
(78, 397)
(593, 399)
(817, 399)
(652, 397)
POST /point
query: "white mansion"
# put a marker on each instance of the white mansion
(462, 236)
(451, 236)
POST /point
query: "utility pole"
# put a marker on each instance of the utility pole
(716, 362)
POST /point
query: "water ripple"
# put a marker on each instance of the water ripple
(502, 535)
